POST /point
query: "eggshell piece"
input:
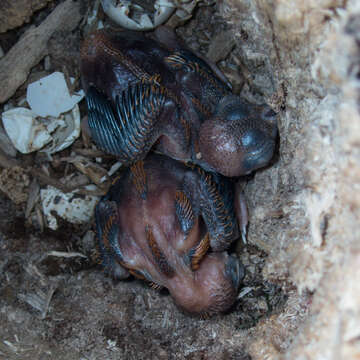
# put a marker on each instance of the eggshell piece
(50, 96)
(66, 134)
(29, 132)
(121, 14)
(25, 131)
(72, 207)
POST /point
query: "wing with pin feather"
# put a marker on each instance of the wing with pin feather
(107, 232)
(127, 129)
(217, 209)
(199, 82)
(161, 237)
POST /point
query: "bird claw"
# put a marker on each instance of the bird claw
(243, 233)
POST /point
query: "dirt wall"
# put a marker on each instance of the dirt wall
(305, 208)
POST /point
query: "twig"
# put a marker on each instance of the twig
(32, 47)
(42, 177)
(93, 153)
(33, 197)
(97, 192)
(65, 254)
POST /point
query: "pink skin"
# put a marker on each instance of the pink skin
(239, 138)
(220, 148)
(209, 289)
(206, 291)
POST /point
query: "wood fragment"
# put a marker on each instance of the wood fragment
(96, 192)
(15, 67)
(40, 217)
(34, 191)
(114, 168)
(64, 254)
(92, 153)
(95, 172)
(42, 177)
(39, 299)
(76, 181)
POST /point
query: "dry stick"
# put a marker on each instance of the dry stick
(97, 192)
(93, 153)
(45, 179)
(6, 162)
(34, 192)
(32, 47)
(42, 177)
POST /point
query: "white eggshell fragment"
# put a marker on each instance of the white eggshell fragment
(29, 132)
(67, 133)
(72, 207)
(25, 131)
(50, 96)
(120, 14)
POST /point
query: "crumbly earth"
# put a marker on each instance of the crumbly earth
(53, 307)
(300, 297)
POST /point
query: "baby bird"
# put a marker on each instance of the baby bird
(147, 92)
(158, 222)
